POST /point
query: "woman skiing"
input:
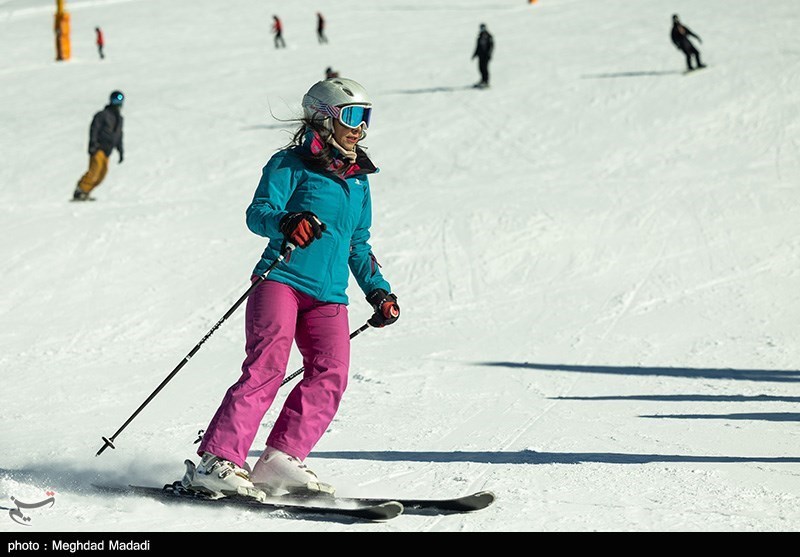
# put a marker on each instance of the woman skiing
(314, 195)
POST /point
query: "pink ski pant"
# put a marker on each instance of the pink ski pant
(276, 315)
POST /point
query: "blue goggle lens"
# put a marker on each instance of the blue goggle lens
(354, 115)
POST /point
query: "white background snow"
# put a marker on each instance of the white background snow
(596, 259)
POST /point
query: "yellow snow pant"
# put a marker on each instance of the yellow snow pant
(98, 166)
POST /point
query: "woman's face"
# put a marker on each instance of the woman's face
(346, 137)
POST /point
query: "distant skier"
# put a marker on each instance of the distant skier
(105, 135)
(277, 28)
(680, 37)
(321, 38)
(483, 52)
(100, 41)
(330, 73)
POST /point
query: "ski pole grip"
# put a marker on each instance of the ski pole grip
(320, 223)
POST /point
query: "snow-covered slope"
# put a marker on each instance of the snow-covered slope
(596, 258)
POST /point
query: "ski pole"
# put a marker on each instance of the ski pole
(355, 333)
(109, 441)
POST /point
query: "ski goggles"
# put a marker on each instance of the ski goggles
(354, 115)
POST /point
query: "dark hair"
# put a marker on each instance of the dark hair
(320, 161)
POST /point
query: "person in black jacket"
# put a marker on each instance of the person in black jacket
(483, 52)
(680, 38)
(321, 38)
(105, 135)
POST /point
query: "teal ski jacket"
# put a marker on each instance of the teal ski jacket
(342, 202)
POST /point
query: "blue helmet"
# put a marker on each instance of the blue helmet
(116, 98)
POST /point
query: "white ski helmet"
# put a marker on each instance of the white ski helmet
(325, 98)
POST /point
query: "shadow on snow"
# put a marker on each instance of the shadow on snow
(631, 74)
(535, 457)
(686, 398)
(762, 375)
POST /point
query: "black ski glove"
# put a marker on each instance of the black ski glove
(386, 309)
(301, 228)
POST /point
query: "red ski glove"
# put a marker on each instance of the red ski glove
(301, 228)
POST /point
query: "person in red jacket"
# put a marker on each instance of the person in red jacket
(99, 41)
(277, 28)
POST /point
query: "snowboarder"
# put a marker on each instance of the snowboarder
(330, 73)
(105, 135)
(483, 52)
(680, 37)
(277, 28)
(321, 38)
(314, 193)
(99, 41)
